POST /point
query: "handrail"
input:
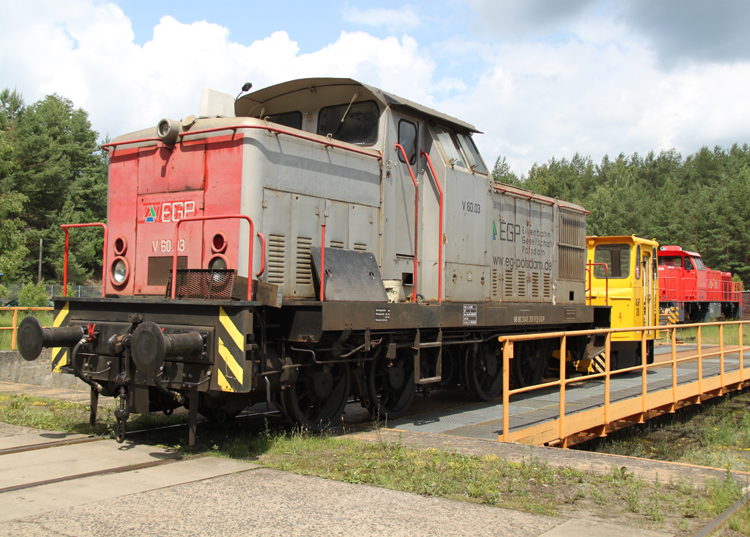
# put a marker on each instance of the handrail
(416, 216)
(563, 435)
(323, 262)
(277, 130)
(263, 254)
(606, 280)
(104, 255)
(440, 244)
(215, 217)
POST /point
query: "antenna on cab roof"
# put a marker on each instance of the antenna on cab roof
(245, 88)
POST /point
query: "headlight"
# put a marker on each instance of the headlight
(217, 263)
(119, 271)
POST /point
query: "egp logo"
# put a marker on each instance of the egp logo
(169, 211)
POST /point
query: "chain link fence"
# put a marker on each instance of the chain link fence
(86, 291)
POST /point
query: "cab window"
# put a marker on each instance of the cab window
(699, 263)
(617, 258)
(638, 262)
(471, 152)
(356, 123)
(450, 147)
(670, 261)
(290, 119)
(407, 138)
(688, 264)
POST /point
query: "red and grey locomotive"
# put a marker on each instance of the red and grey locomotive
(309, 242)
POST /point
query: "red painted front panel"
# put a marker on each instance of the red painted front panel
(188, 166)
(223, 195)
(123, 185)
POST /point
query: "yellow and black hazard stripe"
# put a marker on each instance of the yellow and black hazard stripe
(60, 354)
(673, 315)
(231, 355)
(598, 364)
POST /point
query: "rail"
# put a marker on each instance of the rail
(14, 325)
(606, 282)
(599, 420)
(416, 216)
(276, 130)
(217, 217)
(65, 227)
(440, 242)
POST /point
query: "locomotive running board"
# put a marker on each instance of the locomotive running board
(418, 346)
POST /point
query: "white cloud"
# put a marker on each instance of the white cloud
(599, 90)
(87, 54)
(402, 19)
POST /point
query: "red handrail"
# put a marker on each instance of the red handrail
(310, 138)
(416, 216)
(263, 254)
(323, 263)
(440, 255)
(216, 217)
(65, 227)
(606, 281)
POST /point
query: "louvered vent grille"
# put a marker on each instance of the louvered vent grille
(572, 246)
(359, 247)
(337, 244)
(534, 285)
(495, 284)
(276, 258)
(521, 283)
(304, 266)
(546, 285)
(508, 284)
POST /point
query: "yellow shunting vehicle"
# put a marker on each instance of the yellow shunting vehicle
(622, 273)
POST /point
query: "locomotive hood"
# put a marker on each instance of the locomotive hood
(266, 96)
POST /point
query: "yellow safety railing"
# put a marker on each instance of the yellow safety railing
(14, 325)
(600, 418)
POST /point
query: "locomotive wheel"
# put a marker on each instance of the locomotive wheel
(527, 366)
(319, 395)
(483, 371)
(390, 385)
(219, 408)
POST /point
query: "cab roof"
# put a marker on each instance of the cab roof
(388, 99)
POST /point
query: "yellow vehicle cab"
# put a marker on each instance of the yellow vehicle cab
(622, 273)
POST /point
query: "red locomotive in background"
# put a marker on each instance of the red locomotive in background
(694, 292)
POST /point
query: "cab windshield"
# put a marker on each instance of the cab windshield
(617, 258)
(670, 261)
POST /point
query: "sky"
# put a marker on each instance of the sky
(539, 78)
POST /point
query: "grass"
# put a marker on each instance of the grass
(715, 433)
(6, 320)
(530, 485)
(56, 415)
(709, 335)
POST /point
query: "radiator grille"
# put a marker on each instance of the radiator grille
(276, 258)
(546, 285)
(304, 261)
(337, 244)
(209, 284)
(534, 285)
(571, 249)
(508, 284)
(359, 247)
(495, 284)
(521, 283)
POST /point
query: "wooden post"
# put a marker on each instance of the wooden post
(674, 367)
(699, 339)
(644, 372)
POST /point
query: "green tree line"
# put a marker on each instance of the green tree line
(699, 202)
(52, 172)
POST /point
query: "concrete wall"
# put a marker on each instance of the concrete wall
(13, 368)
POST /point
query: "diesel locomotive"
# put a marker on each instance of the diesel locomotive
(312, 242)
